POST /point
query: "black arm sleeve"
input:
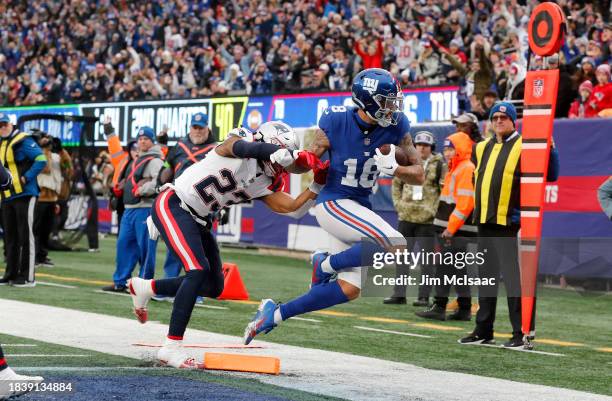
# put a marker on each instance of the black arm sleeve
(254, 150)
(5, 178)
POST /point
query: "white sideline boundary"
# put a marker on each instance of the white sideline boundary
(47, 355)
(401, 333)
(354, 377)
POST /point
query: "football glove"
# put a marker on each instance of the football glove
(308, 160)
(386, 163)
(320, 177)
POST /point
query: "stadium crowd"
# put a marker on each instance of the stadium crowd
(79, 51)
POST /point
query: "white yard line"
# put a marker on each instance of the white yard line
(122, 294)
(305, 319)
(517, 349)
(71, 287)
(47, 355)
(18, 345)
(77, 369)
(354, 377)
(401, 333)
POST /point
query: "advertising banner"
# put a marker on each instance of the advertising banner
(225, 113)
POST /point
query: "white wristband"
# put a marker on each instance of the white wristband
(315, 188)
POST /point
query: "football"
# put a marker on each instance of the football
(400, 156)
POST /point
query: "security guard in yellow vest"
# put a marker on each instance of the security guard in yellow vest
(497, 217)
(24, 159)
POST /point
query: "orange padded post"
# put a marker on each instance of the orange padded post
(242, 363)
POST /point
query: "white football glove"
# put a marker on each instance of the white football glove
(153, 232)
(284, 157)
(386, 163)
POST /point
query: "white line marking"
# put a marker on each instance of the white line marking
(55, 284)
(123, 294)
(402, 333)
(533, 146)
(212, 307)
(85, 369)
(535, 352)
(532, 180)
(19, 345)
(537, 112)
(305, 319)
(48, 355)
(518, 349)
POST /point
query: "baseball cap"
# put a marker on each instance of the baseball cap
(199, 120)
(506, 108)
(424, 137)
(465, 119)
(148, 132)
(4, 118)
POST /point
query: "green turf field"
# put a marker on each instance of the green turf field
(568, 323)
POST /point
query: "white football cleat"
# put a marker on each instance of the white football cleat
(174, 355)
(13, 384)
(141, 291)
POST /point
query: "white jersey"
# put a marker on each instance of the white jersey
(218, 181)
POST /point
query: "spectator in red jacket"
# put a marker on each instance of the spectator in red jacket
(601, 98)
(371, 54)
(579, 108)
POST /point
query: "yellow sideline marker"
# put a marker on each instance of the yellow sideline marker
(242, 363)
(383, 319)
(73, 279)
(437, 326)
(334, 313)
(557, 342)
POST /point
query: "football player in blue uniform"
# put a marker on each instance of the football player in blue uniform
(352, 136)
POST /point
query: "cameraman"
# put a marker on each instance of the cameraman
(50, 184)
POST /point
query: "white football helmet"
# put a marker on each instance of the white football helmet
(277, 133)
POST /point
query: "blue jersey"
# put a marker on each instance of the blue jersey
(353, 172)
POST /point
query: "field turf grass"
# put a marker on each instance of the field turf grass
(568, 322)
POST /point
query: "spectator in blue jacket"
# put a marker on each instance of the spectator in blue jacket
(24, 160)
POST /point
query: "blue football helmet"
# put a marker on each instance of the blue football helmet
(377, 93)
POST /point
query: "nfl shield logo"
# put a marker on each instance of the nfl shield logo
(538, 87)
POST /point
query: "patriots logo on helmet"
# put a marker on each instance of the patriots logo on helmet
(370, 85)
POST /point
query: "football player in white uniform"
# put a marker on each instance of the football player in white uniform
(245, 166)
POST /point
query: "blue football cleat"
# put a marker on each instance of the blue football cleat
(318, 275)
(263, 321)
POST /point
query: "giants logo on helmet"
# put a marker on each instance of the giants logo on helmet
(370, 85)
